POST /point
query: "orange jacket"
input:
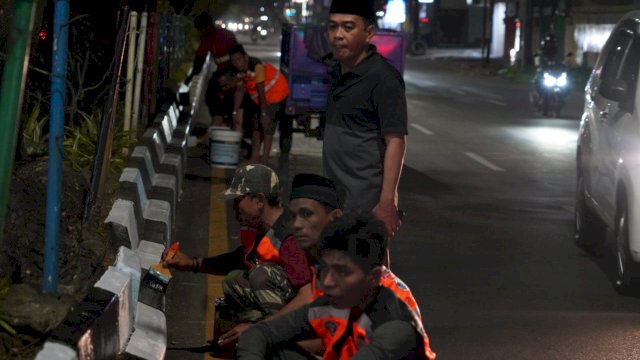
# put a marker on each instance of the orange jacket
(322, 321)
(267, 249)
(276, 88)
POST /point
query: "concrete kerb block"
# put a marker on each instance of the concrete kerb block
(149, 253)
(127, 261)
(56, 351)
(122, 216)
(92, 327)
(147, 195)
(173, 144)
(141, 157)
(167, 163)
(149, 339)
(155, 214)
(119, 283)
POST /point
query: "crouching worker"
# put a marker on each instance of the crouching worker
(267, 87)
(261, 275)
(357, 317)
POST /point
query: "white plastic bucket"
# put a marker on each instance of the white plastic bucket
(224, 147)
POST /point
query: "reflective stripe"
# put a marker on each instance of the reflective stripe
(320, 312)
(268, 86)
(276, 87)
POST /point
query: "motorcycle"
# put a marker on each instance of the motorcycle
(551, 86)
(258, 33)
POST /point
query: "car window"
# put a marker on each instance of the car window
(619, 50)
(629, 68)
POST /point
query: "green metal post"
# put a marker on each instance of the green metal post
(13, 79)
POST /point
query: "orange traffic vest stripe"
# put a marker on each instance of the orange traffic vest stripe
(265, 250)
(276, 88)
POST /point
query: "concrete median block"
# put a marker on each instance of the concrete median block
(125, 229)
(56, 351)
(155, 214)
(127, 261)
(167, 163)
(141, 158)
(149, 253)
(119, 283)
(92, 326)
(149, 339)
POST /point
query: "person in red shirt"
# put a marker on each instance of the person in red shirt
(216, 42)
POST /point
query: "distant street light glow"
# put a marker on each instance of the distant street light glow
(396, 12)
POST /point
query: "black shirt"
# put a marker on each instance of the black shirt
(363, 105)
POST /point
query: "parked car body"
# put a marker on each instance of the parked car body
(608, 152)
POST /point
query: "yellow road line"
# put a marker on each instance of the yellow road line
(218, 244)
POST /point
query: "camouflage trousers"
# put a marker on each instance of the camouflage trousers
(258, 292)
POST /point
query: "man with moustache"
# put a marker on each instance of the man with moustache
(366, 122)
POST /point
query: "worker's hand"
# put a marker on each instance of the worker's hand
(180, 261)
(387, 212)
(233, 335)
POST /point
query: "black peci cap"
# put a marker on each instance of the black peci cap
(315, 187)
(364, 8)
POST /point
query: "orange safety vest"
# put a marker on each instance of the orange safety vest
(276, 88)
(321, 322)
(267, 249)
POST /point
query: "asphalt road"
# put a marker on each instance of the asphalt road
(487, 241)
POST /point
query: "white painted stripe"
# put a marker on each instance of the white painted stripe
(499, 103)
(422, 129)
(484, 161)
(458, 91)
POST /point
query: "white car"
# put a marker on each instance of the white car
(608, 152)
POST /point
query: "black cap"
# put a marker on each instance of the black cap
(315, 187)
(362, 8)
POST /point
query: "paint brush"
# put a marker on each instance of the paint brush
(154, 285)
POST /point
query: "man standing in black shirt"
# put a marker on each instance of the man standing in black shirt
(364, 141)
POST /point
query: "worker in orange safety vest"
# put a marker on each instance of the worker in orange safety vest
(363, 312)
(267, 87)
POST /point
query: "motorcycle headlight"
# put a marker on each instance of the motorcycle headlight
(562, 80)
(549, 80)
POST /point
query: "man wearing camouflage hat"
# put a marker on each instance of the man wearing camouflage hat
(265, 272)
